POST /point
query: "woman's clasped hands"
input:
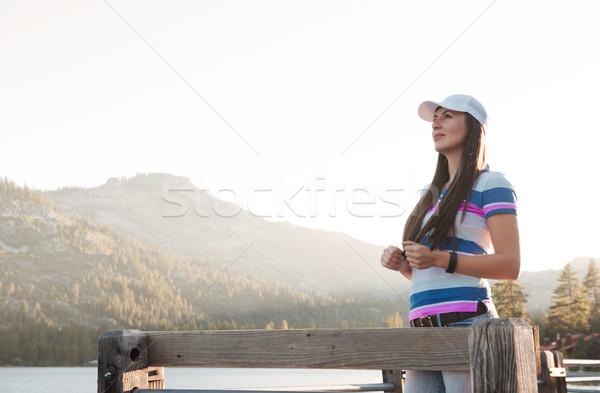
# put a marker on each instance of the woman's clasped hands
(416, 256)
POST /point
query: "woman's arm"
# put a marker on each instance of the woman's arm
(503, 264)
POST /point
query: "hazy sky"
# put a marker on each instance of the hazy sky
(261, 102)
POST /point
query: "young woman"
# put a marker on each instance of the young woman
(462, 231)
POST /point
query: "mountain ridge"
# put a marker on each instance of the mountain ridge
(86, 228)
(149, 208)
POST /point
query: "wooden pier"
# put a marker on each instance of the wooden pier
(500, 354)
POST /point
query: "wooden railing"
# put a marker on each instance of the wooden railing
(500, 354)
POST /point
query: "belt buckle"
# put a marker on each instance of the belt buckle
(428, 319)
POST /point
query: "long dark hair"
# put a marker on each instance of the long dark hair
(442, 222)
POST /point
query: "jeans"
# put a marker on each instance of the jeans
(426, 381)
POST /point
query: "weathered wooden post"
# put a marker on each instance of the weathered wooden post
(502, 356)
(553, 373)
(122, 361)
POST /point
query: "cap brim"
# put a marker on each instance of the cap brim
(427, 110)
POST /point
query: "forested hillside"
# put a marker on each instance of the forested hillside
(60, 272)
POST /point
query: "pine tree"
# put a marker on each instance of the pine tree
(11, 289)
(579, 348)
(569, 312)
(592, 287)
(283, 325)
(394, 321)
(75, 294)
(510, 299)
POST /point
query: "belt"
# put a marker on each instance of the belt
(447, 318)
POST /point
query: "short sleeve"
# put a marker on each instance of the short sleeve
(499, 196)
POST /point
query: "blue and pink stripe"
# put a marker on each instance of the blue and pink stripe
(433, 291)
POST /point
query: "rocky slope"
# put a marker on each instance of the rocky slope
(171, 213)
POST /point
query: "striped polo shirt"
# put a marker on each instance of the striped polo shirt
(433, 291)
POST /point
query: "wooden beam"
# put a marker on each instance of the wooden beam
(536, 348)
(561, 382)
(376, 349)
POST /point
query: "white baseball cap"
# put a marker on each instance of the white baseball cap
(455, 102)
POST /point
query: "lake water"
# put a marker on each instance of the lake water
(83, 379)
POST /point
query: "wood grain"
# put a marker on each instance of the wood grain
(502, 356)
(379, 349)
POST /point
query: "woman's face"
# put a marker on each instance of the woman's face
(449, 130)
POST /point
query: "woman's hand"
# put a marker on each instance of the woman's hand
(421, 257)
(392, 259)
